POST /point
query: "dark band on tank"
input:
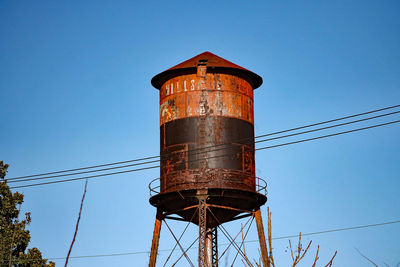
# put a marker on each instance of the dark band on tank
(227, 141)
(211, 130)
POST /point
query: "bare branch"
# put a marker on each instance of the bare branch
(299, 246)
(271, 257)
(331, 261)
(316, 257)
(305, 251)
(299, 256)
(244, 247)
(227, 257)
(291, 250)
(244, 263)
(77, 224)
(359, 252)
(259, 264)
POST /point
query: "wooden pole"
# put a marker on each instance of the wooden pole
(156, 238)
(261, 239)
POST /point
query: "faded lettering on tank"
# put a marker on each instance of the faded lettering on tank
(209, 95)
(219, 104)
(192, 84)
(167, 89)
(167, 110)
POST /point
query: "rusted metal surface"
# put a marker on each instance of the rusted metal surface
(228, 165)
(214, 94)
(207, 147)
(154, 188)
(209, 247)
(214, 64)
(203, 255)
(225, 203)
(202, 110)
(214, 244)
(261, 239)
(156, 238)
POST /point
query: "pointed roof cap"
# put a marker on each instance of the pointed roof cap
(214, 64)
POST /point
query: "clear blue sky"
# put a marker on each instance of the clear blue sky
(75, 91)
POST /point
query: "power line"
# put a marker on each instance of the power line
(77, 173)
(328, 127)
(262, 148)
(336, 230)
(15, 180)
(86, 177)
(249, 241)
(257, 149)
(328, 135)
(329, 121)
(158, 156)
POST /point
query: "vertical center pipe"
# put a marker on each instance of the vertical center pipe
(209, 247)
(202, 231)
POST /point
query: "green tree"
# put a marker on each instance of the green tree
(14, 238)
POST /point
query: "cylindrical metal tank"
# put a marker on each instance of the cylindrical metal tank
(207, 137)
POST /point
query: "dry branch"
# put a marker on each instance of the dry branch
(77, 225)
(359, 252)
(271, 257)
(331, 261)
(316, 257)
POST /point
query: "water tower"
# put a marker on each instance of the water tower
(207, 173)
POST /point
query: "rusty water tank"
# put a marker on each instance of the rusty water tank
(207, 138)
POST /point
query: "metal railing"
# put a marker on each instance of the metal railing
(154, 189)
(261, 186)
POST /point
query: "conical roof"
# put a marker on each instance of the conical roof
(214, 64)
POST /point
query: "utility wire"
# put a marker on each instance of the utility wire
(86, 177)
(158, 156)
(328, 135)
(249, 241)
(257, 149)
(333, 230)
(15, 180)
(76, 173)
(329, 121)
(327, 127)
